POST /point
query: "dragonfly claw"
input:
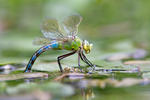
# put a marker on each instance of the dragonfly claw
(91, 69)
(26, 71)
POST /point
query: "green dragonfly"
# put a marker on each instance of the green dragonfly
(62, 36)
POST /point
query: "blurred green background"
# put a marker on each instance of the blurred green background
(111, 25)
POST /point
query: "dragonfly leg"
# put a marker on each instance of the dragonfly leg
(64, 56)
(86, 59)
(79, 62)
(83, 59)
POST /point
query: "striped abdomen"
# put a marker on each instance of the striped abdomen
(37, 53)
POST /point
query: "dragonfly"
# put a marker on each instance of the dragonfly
(62, 36)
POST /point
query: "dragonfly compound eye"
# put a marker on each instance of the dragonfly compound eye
(87, 47)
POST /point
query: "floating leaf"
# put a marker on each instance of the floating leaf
(71, 76)
(43, 66)
(6, 77)
(126, 82)
(136, 62)
(141, 64)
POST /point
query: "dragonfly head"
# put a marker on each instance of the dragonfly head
(87, 46)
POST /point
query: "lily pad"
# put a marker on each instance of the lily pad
(6, 77)
(126, 82)
(45, 66)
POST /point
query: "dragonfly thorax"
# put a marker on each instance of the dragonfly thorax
(76, 43)
(72, 44)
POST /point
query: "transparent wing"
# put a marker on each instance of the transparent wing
(41, 41)
(71, 24)
(51, 29)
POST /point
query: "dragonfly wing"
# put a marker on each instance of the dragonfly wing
(41, 41)
(71, 24)
(51, 29)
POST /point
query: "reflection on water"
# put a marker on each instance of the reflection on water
(128, 93)
(87, 93)
(103, 85)
(39, 80)
(6, 69)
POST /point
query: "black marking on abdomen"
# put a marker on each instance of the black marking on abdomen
(35, 55)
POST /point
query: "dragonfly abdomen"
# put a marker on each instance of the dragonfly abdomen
(37, 53)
